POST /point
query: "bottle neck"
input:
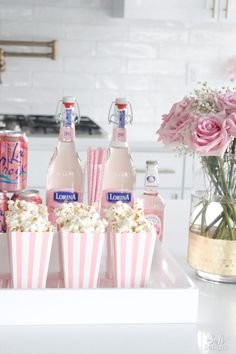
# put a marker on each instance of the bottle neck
(150, 190)
(67, 134)
(67, 128)
(151, 185)
(119, 133)
(119, 137)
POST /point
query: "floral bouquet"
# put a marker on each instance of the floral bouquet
(205, 124)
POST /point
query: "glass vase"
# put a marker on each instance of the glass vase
(212, 229)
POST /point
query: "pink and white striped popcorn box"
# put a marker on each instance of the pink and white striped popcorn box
(133, 254)
(81, 256)
(29, 254)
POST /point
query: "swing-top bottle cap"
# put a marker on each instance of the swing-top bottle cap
(121, 102)
(120, 110)
(68, 101)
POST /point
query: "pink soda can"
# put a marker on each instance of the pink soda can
(3, 208)
(13, 160)
(29, 195)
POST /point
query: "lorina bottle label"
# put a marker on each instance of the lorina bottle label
(119, 197)
(62, 197)
(56, 197)
(111, 197)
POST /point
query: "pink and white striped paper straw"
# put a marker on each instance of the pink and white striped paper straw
(95, 169)
(100, 175)
(29, 258)
(90, 166)
(133, 254)
(81, 259)
(96, 159)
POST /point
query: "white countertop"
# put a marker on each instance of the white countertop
(214, 332)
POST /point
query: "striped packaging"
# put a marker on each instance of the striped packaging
(133, 254)
(60, 255)
(81, 255)
(29, 254)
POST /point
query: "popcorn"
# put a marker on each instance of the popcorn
(76, 217)
(24, 216)
(124, 219)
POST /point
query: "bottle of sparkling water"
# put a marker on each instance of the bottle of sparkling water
(65, 174)
(119, 176)
(153, 203)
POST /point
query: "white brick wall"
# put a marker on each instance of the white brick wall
(100, 57)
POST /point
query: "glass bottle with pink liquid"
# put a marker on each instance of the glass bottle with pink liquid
(65, 175)
(153, 203)
(119, 176)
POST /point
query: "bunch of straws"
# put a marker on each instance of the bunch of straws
(96, 159)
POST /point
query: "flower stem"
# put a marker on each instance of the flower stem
(221, 175)
(232, 162)
(214, 222)
(198, 214)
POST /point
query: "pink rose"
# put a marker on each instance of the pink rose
(231, 122)
(227, 102)
(209, 135)
(175, 122)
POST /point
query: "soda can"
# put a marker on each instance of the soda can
(3, 208)
(13, 160)
(30, 195)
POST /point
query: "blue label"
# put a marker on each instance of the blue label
(122, 119)
(119, 197)
(61, 197)
(68, 117)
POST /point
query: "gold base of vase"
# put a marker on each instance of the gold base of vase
(213, 259)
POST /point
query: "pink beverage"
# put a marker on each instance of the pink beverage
(153, 203)
(119, 176)
(65, 174)
(3, 208)
(29, 195)
(13, 160)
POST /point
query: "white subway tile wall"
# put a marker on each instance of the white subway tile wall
(99, 57)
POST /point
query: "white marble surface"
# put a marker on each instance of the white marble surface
(214, 332)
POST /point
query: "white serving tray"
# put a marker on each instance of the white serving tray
(170, 297)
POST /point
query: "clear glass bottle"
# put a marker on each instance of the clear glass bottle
(65, 180)
(119, 176)
(153, 203)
